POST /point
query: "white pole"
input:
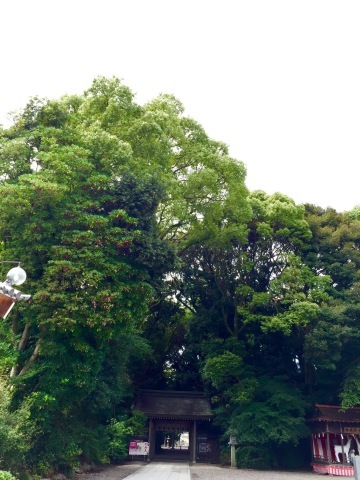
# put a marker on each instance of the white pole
(356, 460)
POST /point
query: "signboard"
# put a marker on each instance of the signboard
(205, 447)
(351, 430)
(172, 426)
(138, 448)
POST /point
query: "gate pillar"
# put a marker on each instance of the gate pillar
(151, 439)
(192, 442)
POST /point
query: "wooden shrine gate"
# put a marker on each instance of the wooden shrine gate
(178, 425)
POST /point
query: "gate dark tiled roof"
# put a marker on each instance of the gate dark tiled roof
(174, 405)
(329, 413)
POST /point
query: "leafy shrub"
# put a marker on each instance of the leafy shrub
(224, 456)
(71, 445)
(120, 431)
(294, 457)
(119, 434)
(137, 423)
(93, 441)
(4, 475)
(258, 458)
(16, 433)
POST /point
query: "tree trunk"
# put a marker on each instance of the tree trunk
(15, 370)
(31, 360)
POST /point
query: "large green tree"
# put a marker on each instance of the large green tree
(332, 346)
(82, 210)
(252, 300)
(151, 265)
(85, 230)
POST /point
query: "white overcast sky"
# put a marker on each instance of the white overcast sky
(277, 80)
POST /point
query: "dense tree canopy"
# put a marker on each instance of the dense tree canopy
(151, 265)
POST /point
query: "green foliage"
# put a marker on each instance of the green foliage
(293, 457)
(4, 475)
(119, 434)
(16, 433)
(275, 414)
(355, 213)
(222, 369)
(120, 431)
(334, 247)
(333, 344)
(86, 229)
(151, 265)
(137, 423)
(253, 457)
(351, 393)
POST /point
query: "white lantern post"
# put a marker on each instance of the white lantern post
(9, 295)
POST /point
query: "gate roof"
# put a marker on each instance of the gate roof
(174, 405)
(331, 413)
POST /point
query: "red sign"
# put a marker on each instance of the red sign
(6, 304)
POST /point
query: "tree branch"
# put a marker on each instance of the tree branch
(24, 338)
(15, 369)
(31, 360)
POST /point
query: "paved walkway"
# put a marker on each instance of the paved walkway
(162, 471)
(199, 471)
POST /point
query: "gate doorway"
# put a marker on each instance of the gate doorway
(176, 420)
(172, 439)
(172, 445)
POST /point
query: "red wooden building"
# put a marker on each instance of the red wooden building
(335, 439)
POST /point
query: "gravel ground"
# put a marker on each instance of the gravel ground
(201, 472)
(212, 472)
(118, 472)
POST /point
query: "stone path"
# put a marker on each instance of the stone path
(182, 471)
(162, 471)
